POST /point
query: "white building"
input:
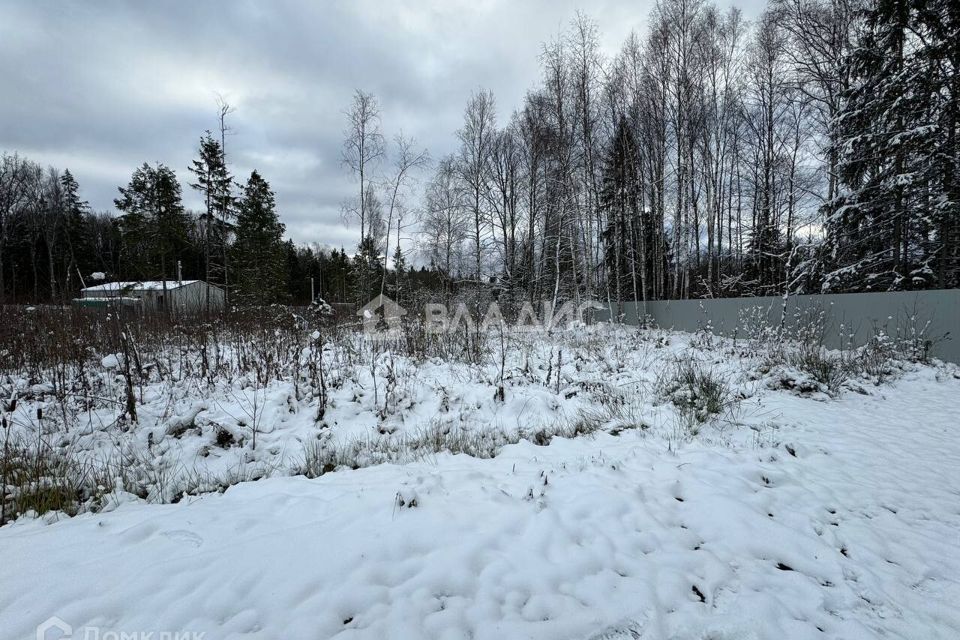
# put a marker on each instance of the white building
(177, 295)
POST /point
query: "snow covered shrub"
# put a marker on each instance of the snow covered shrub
(698, 391)
(197, 482)
(586, 422)
(792, 353)
(617, 410)
(322, 457)
(876, 360)
(416, 340)
(829, 369)
(884, 356)
(752, 324)
(322, 311)
(624, 417)
(439, 438)
(703, 338)
(466, 342)
(38, 479)
(251, 400)
(913, 340)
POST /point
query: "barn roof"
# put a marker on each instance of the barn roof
(141, 285)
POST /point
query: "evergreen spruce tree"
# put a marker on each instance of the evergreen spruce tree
(366, 271)
(295, 274)
(939, 22)
(80, 255)
(214, 182)
(895, 226)
(259, 253)
(626, 235)
(337, 276)
(397, 287)
(154, 224)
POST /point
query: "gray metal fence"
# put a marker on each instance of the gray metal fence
(851, 318)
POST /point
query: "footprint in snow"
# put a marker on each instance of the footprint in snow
(182, 535)
(623, 631)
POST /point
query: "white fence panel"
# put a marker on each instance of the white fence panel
(850, 318)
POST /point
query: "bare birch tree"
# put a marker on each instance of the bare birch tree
(363, 148)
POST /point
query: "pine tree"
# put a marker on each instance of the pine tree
(154, 224)
(259, 253)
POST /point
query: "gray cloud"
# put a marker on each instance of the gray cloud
(101, 87)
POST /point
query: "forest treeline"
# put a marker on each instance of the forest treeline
(812, 150)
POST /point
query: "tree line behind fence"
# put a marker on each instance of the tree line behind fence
(812, 150)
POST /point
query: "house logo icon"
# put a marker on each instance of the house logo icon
(54, 628)
(381, 310)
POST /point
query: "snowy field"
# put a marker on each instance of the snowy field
(606, 483)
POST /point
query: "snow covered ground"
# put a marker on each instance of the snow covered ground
(785, 515)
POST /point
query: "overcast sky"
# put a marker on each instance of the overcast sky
(100, 87)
